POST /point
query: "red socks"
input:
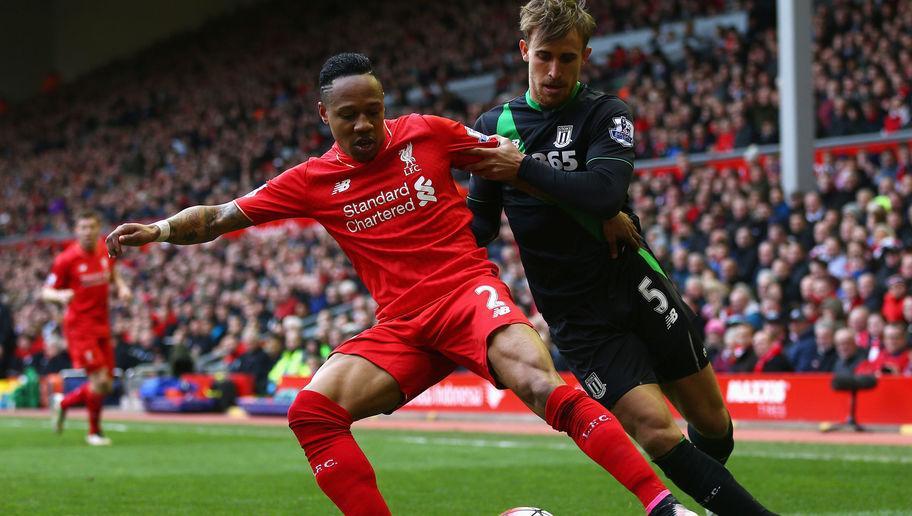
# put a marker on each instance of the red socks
(342, 471)
(600, 436)
(75, 397)
(323, 429)
(83, 395)
(94, 401)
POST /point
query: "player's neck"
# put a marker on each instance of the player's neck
(536, 105)
(87, 247)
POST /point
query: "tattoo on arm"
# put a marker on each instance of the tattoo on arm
(199, 224)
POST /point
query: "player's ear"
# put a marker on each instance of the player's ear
(321, 108)
(586, 53)
(524, 50)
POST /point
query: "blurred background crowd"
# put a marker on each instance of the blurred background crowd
(816, 281)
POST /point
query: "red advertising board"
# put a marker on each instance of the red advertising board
(794, 397)
(809, 397)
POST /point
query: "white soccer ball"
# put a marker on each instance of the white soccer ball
(526, 511)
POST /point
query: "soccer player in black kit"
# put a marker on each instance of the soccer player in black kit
(561, 173)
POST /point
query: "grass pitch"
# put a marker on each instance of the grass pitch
(219, 469)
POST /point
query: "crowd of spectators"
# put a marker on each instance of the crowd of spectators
(777, 282)
(215, 113)
(722, 94)
(784, 283)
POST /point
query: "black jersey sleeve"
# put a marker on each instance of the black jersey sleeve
(484, 200)
(600, 189)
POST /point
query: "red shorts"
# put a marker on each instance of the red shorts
(421, 348)
(90, 351)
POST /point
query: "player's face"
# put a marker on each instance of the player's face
(554, 67)
(353, 108)
(87, 232)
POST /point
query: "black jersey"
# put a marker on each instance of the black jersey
(580, 156)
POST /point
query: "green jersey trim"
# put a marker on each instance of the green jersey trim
(649, 259)
(536, 106)
(506, 127)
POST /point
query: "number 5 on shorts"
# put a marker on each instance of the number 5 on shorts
(653, 293)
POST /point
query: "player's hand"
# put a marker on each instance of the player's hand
(499, 163)
(620, 229)
(65, 295)
(124, 292)
(130, 234)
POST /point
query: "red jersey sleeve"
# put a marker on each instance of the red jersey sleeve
(456, 138)
(282, 197)
(59, 278)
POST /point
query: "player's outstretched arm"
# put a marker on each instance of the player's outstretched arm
(57, 295)
(193, 225)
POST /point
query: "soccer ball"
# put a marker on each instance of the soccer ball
(526, 511)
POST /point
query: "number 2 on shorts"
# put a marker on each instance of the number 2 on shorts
(493, 302)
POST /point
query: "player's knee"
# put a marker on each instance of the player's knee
(101, 385)
(656, 432)
(713, 424)
(719, 447)
(313, 418)
(540, 385)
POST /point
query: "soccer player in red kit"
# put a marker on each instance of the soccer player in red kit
(79, 280)
(385, 193)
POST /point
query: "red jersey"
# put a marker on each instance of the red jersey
(88, 274)
(399, 217)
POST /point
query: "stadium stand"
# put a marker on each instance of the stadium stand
(208, 116)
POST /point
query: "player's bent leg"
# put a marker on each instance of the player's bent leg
(698, 398)
(520, 361)
(344, 389)
(697, 466)
(645, 416)
(100, 384)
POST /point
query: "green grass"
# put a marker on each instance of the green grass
(216, 469)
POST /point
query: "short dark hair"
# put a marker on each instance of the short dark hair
(343, 65)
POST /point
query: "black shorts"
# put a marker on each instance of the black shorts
(647, 334)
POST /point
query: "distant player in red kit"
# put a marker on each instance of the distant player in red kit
(385, 193)
(79, 280)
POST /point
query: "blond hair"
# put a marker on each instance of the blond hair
(554, 19)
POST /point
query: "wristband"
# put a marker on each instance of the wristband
(164, 230)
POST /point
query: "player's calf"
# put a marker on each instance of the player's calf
(522, 363)
(323, 429)
(58, 413)
(707, 481)
(719, 448)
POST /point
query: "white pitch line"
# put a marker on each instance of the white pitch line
(502, 443)
(828, 457)
(455, 441)
(147, 428)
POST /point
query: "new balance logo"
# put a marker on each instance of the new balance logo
(411, 166)
(671, 318)
(341, 186)
(424, 189)
(501, 311)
